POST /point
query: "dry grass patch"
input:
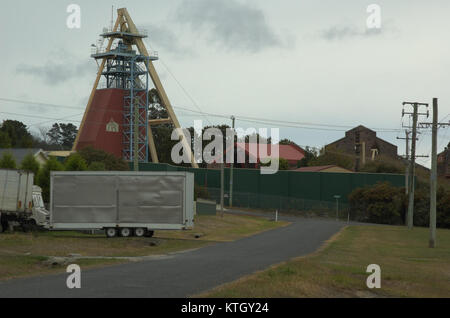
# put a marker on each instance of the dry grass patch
(23, 254)
(408, 268)
(230, 227)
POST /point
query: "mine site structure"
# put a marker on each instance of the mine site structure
(116, 117)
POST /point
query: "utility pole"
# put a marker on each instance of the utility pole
(407, 132)
(136, 135)
(412, 165)
(231, 167)
(433, 176)
(222, 177)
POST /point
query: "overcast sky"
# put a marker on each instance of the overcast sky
(291, 60)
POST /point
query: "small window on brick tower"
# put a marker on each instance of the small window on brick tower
(112, 126)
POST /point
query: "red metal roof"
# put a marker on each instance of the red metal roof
(288, 152)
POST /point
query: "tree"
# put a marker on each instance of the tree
(68, 135)
(30, 163)
(62, 135)
(7, 161)
(75, 162)
(43, 177)
(311, 154)
(111, 162)
(17, 133)
(5, 141)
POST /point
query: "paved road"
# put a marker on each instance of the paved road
(187, 273)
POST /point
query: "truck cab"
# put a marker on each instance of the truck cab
(40, 214)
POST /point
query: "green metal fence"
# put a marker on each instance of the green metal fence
(284, 190)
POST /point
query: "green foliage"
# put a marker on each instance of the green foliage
(311, 154)
(62, 135)
(111, 162)
(443, 208)
(17, 134)
(43, 177)
(97, 166)
(30, 163)
(5, 141)
(381, 203)
(7, 161)
(381, 167)
(386, 204)
(75, 162)
(283, 164)
(333, 157)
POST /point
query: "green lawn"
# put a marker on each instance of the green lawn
(408, 267)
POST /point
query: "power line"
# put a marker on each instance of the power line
(182, 87)
(291, 124)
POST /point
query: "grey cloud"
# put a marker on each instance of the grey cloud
(347, 32)
(229, 23)
(160, 37)
(53, 73)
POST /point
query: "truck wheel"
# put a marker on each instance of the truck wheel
(139, 232)
(125, 232)
(111, 232)
(149, 233)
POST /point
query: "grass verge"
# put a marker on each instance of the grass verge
(408, 267)
(230, 227)
(24, 254)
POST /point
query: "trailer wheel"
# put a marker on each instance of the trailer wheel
(139, 232)
(149, 233)
(111, 232)
(125, 232)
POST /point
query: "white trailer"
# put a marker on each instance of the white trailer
(121, 203)
(21, 201)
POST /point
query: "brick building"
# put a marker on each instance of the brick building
(363, 136)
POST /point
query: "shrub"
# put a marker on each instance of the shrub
(30, 163)
(111, 162)
(97, 166)
(43, 177)
(443, 208)
(333, 157)
(381, 203)
(381, 167)
(75, 163)
(386, 204)
(7, 161)
(283, 164)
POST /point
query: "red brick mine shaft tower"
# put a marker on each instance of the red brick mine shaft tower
(117, 119)
(116, 116)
